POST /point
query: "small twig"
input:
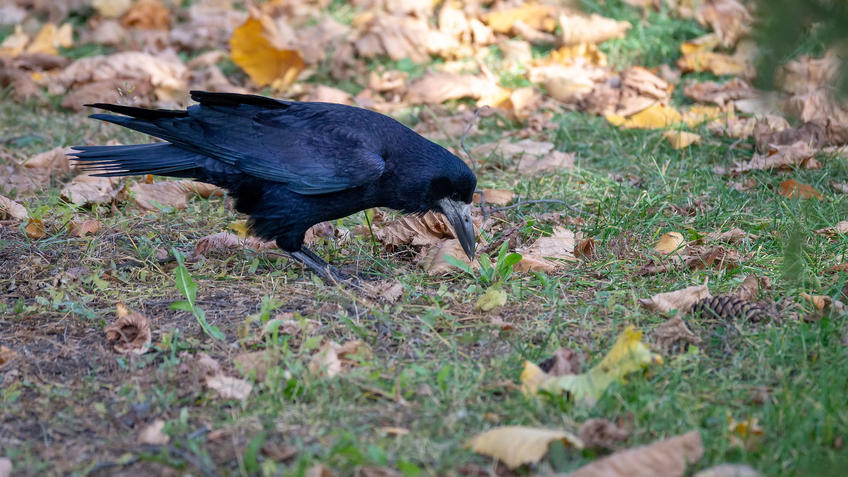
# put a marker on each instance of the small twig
(464, 134)
(732, 147)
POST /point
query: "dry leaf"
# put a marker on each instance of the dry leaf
(843, 188)
(672, 332)
(399, 37)
(729, 19)
(559, 246)
(729, 470)
(9, 209)
(733, 235)
(719, 93)
(35, 229)
(171, 193)
(841, 228)
(254, 363)
(670, 242)
(657, 116)
(130, 333)
(229, 387)
(668, 458)
(564, 361)
(14, 44)
(601, 434)
(680, 300)
(227, 241)
(148, 15)
(515, 149)
(440, 87)
(765, 136)
(535, 15)
(206, 365)
(333, 358)
(83, 227)
(434, 262)
(517, 445)
(111, 8)
(749, 289)
(7, 355)
(153, 435)
(698, 57)
(579, 28)
(699, 114)
(746, 434)
(427, 229)
(49, 39)
(793, 189)
(495, 196)
(798, 154)
(388, 291)
(550, 162)
(87, 189)
(256, 48)
(681, 139)
(49, 161)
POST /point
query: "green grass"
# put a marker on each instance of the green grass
(438, 368)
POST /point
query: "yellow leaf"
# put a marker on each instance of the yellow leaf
(240, 227)
(670, 242)
(252, 48)
(657, 116)
(15, 43)
(699, 113)
(49, 39)
(628, 354)
(517, 445)
(493, 298)
(536, 16)
(681, 139)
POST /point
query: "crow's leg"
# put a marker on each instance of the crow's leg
(318, 265)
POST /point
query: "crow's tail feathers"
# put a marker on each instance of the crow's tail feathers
(158, 158)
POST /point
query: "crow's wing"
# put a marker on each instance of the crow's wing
(313, 148)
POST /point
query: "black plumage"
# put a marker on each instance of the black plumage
(290, 165)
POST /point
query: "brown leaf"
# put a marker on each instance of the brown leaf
(333, 358)
(635, 90)
(579, 28)
(83, 227)
(229, 387)
(766, 137)
(256, 48)
(672, 332)
(798, 154)
(440, 87)
(22, 85)
(843, 188)
(585, 248)
(517, 445)
(515, 149)
(667, 458)
(35, 229)
(388, 291)
(254, 363)
(400, 37)
(550, 162)
(841, 228)
(681, 300)
(153, 435)
(729, 470)
(427, 229)
(535, 15)
(434, 262)
(9, 209)
(171, 193)
(7, 355)
(729, 19)
(719, 93)
(86, 189)
(228, 241)
(495, 196)
(749, 289)
(793, 189)
(564, 361)
(670, 242)
(601, 434)
(49, 161)
(733, 235)
(148, 15)
(559, 246)
(130, 333)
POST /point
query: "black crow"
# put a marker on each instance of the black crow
(291, 165)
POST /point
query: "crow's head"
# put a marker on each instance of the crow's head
(450, 193)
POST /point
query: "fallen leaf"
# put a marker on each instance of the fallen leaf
(403, 37)
(153, 435)
(14, 44)
(255, 48)
(793, 189)
(559, 247)
(229, 387)
(171, 193)
(698, 57)
(130, 333)
(681, 139)
(550, 162)
(680, 300)
(83, 227)
(841, 228)
(600, 433)
(49, 161)
(843, 188)
(585, 248)
(672, 332)
(50, 38)
(719, 93)
(333, 358)
(34, 229)
(535, 15)
(428, 229)
(798, 154)
(668, 458)
(635, 91)
(579, 28)
(627, 355)
(148, 15)
(227, 241)
(670, 242)
(766, 137)
(254, 363)
(111, 8)
(495, 196)
(434, 262)
(440, 87)
(746, 434)
(206, 365)
(564, 361)
(838, 268)
(517, 445)
(824, 304)
(729, 19)
(494, 297)
(9, 209)
(733, 235)
(7, 355)
(514, 149)
(657, 116)
(699, 114)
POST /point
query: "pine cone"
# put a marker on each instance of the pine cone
(728, 307)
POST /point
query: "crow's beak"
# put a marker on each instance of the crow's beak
(459, 215)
